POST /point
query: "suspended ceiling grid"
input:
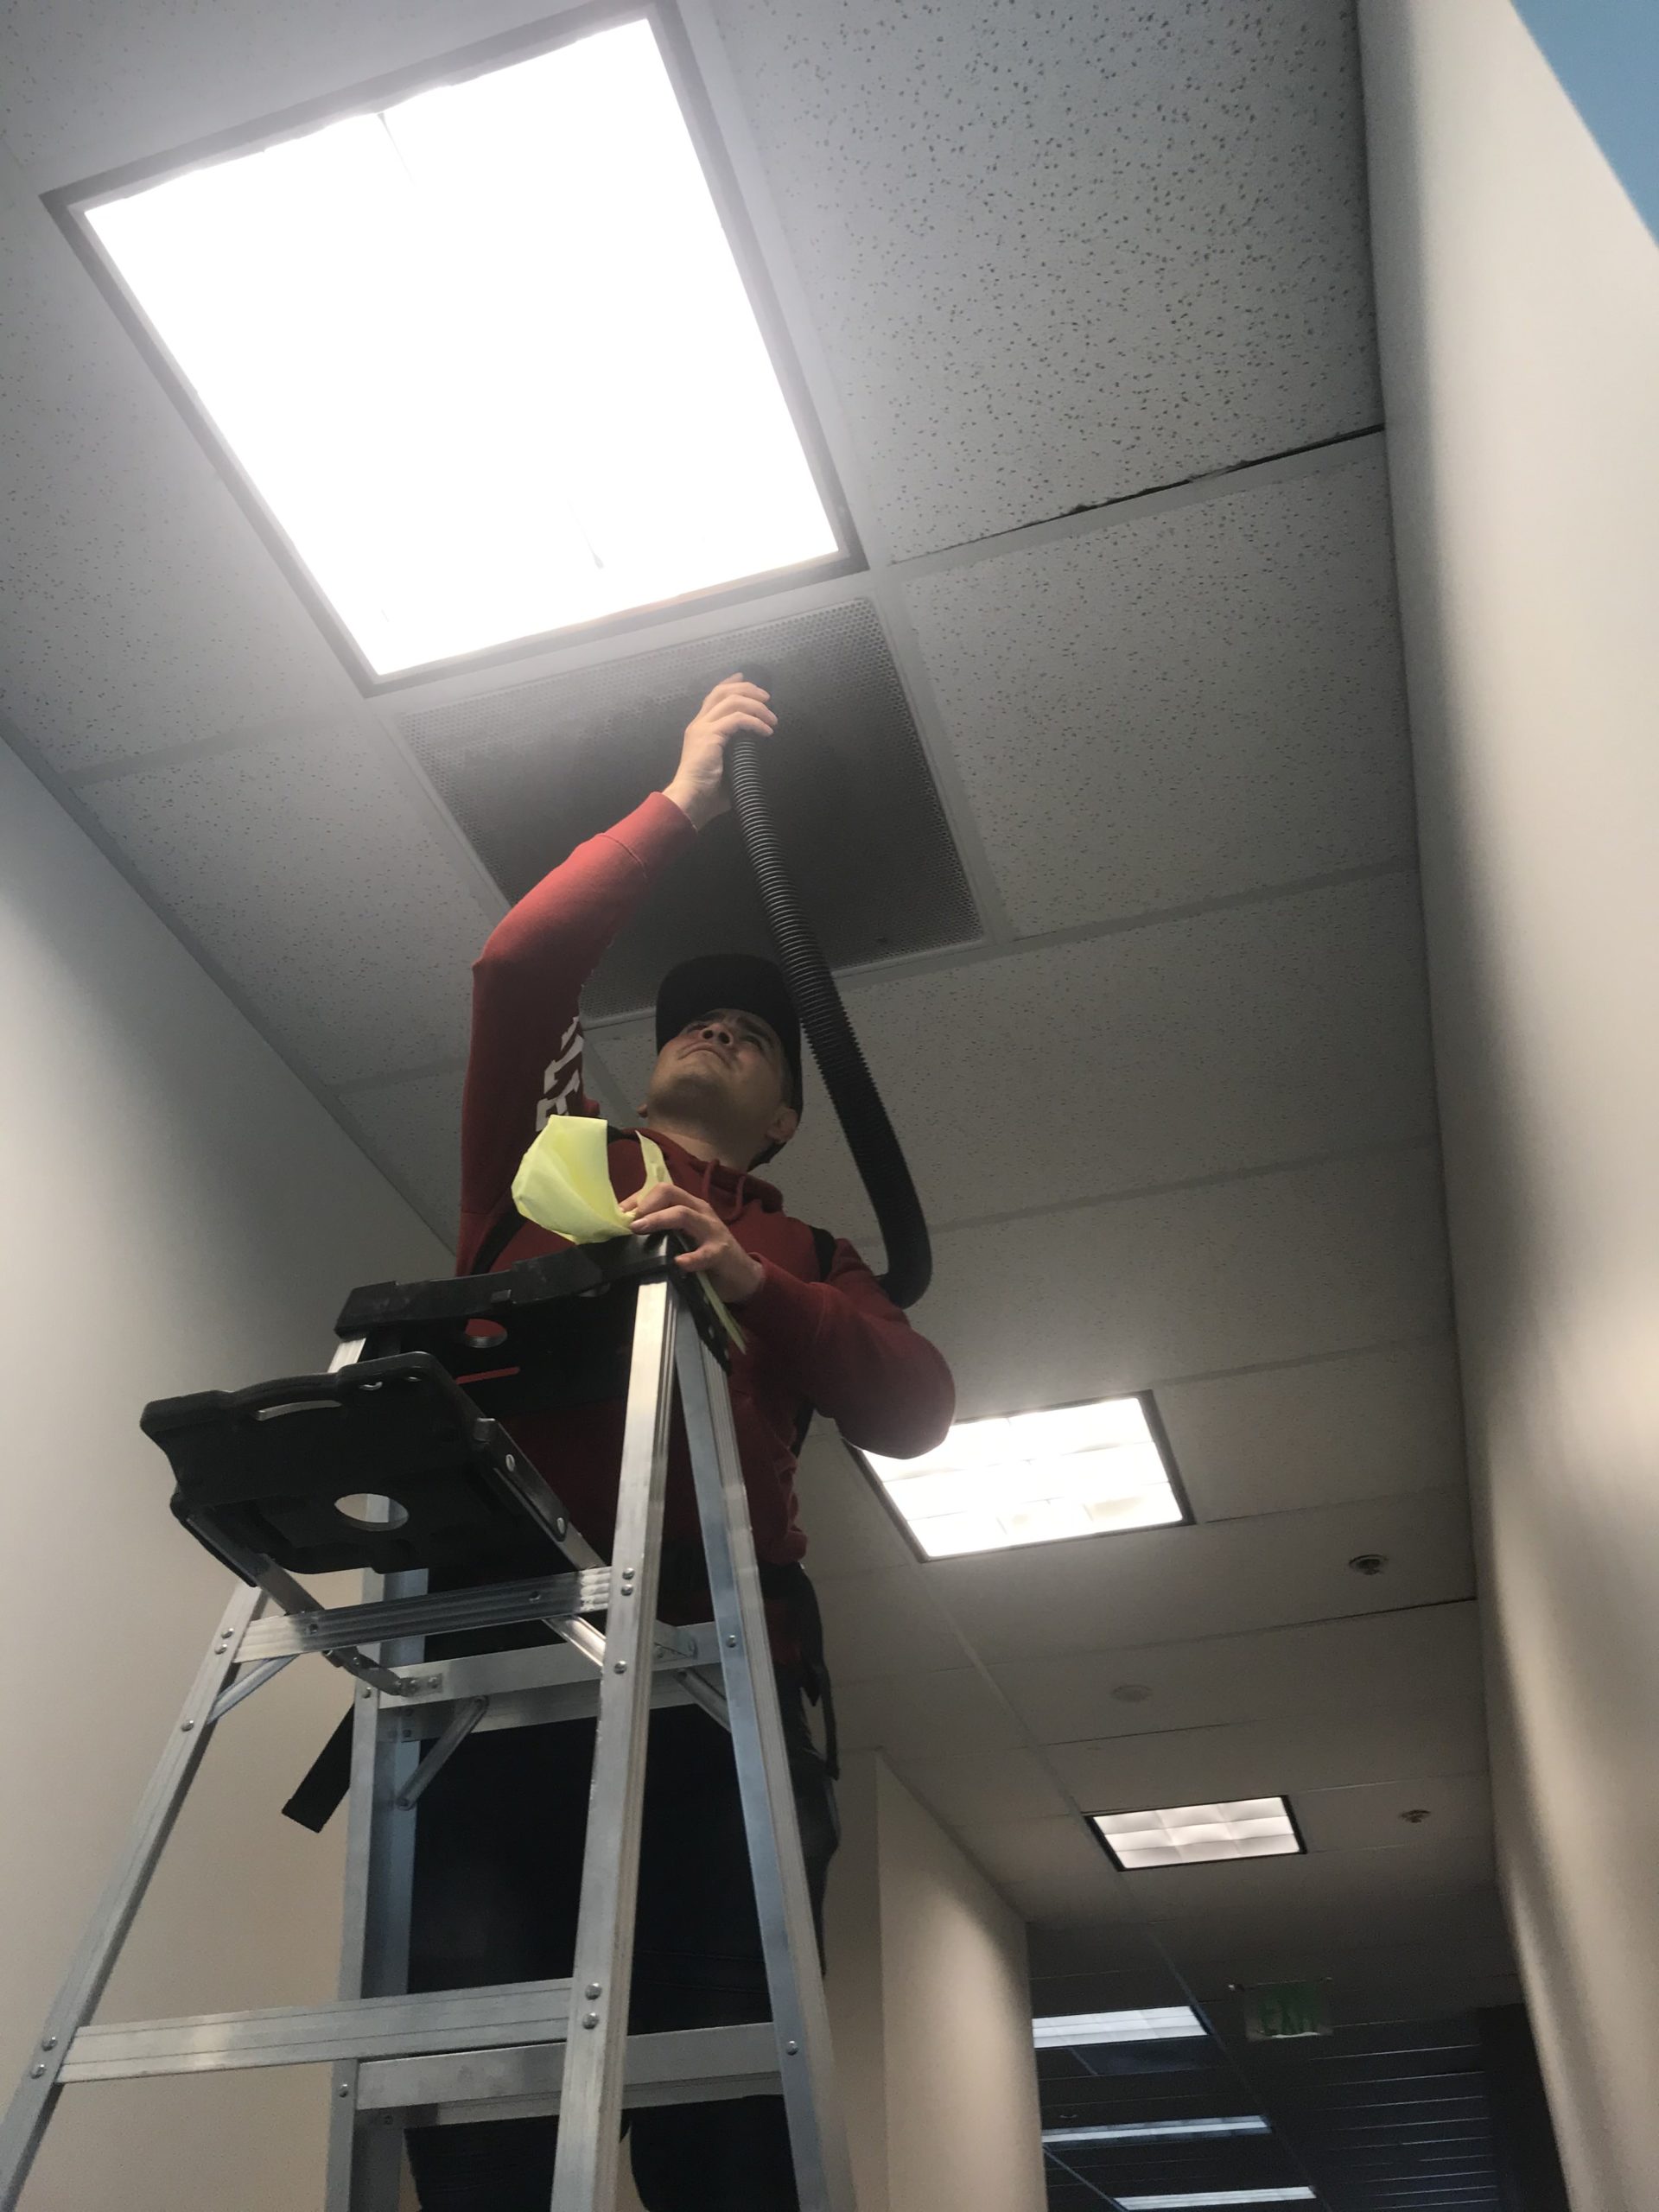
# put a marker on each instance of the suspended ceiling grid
(1172, 1116)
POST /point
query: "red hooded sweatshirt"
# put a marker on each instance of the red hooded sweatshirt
(838, 1344)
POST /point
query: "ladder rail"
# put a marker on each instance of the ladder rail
(585, 2168)
(32, 2107)
(365, 2165)
(800, 2019)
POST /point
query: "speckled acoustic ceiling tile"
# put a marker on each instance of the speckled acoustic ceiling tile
(1102, 1299)
(1217, 1045)
(412, 1130)
(1180, 704)
(315, 877)
(138, 609)
(1061, 252)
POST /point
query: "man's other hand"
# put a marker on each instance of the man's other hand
(715, 1251)
(699, 785)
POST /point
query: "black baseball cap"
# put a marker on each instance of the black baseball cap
(742, 981)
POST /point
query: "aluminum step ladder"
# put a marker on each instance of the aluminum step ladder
(389, 1458)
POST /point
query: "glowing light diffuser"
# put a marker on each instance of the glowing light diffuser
(1190, 2200)
(1157, 2131)
(1187, 1835)
(1033, 1478)
(485, 354)
(1141, 2024)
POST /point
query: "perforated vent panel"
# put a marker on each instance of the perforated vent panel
(532, 772)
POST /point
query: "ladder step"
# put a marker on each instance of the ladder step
(306, 2035)
(550, 1597)
(688, 2066)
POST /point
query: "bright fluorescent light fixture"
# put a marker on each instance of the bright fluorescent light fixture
(484, 354)
(1188, 1835)
(1193, 2197)
(1035, 1478)
(1143, 2024)
(1158, 2131)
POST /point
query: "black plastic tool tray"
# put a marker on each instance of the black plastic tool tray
(262, 1471)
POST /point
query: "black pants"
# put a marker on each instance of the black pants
(498, 1867)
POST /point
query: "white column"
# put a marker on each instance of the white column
(930, 2005)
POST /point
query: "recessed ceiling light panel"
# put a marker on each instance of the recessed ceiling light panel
(1190, 2200)
(484, 353)
(1140, 2023)
(1188, 1835)
(1035, 1478)
(1158, 2131)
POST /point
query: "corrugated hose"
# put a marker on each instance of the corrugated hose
(875, 1148)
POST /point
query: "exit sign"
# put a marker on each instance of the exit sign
(1291, 2008)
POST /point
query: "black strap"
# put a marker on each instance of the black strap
(500, 1233)
(791, 1586)
(823, 1250)
(326, 1782)
(795, 1586)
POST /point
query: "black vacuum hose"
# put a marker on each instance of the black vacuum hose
(875, 1149)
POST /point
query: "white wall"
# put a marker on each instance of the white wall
(179, 1213)
(931, 2005)
(1519, 299)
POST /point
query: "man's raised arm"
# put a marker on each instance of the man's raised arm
(525, 1058)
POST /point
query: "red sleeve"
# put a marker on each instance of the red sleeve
(525, 1058)
(844, 1344)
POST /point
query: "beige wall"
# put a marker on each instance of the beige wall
(1519, 298)
(179, 1213)
(931, 2005)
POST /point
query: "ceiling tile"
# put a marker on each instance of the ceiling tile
(1210, 1579)
(1316, 1755)
(918, 1716)
(316, 878)
(1371, 1816)
(1095, 1970)
(137, 607)
(1076, 1896)
(412, 1129)
(1319, 1893)
(1180, 705)
(1057, 1849)
(77, 99)
(1036, 285)
(1400, 1980)
(1399, 1659)
(1103, 1298)
(1426, 1958)
(984, 1788)
(1319, 1431)
(1231, 1041)
(1356, 1906)
(885, 1623)
(849, 1529)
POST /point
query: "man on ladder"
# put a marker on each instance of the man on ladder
(498, 1850)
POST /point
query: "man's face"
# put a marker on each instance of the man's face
(727, 1066)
